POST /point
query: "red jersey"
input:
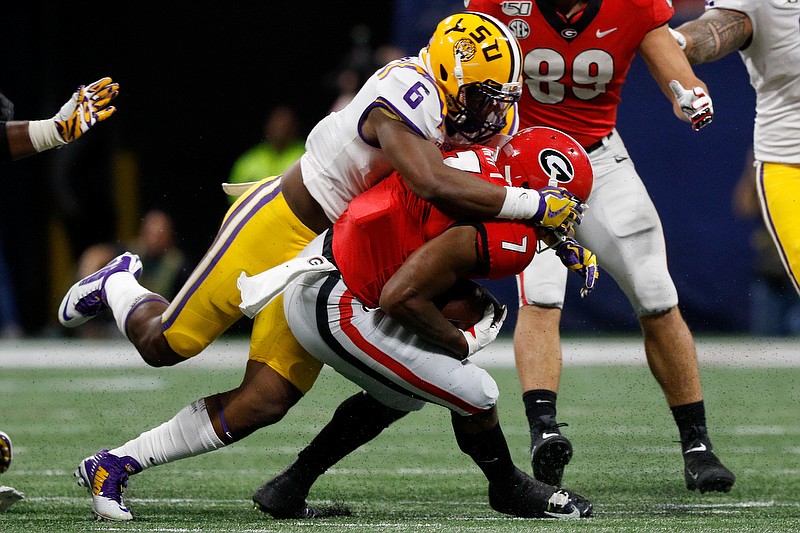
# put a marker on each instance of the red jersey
(383, 226)
(574, 70)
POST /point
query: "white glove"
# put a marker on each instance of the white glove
(695, 104)
(485, 331)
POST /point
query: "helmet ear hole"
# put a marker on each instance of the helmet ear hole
(443, 73)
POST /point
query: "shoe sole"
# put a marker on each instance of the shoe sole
(715, 484)
(549, 459)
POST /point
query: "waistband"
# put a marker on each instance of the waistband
(594, 146)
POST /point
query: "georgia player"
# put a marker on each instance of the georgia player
(376, 320)
(576, 55)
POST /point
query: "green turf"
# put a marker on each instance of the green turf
(412, 478)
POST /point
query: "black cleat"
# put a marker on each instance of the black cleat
(284, 497)
(550, 451)
(527, 497)
(704, 471)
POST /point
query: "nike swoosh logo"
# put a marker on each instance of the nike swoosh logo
(543, 401)
(64, 311)
(619, 159)
(694, 476)
(700, 448)
(574, 514)
(546, 436)
(601, 34)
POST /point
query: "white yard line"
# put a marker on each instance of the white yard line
(727, 351)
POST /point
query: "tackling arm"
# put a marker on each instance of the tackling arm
(715, 34)
(457, 192)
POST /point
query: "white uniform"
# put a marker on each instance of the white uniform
(773, 62)
(339, 164)
(772, 59)
(365, 345)
(623, 228)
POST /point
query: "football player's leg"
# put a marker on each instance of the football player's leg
(358, 420)
(778, 190)
(624, 229)
(537, 353)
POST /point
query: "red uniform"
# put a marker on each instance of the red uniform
(384, 225)
(574, 71)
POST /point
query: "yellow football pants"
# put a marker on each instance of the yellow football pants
(779, 193)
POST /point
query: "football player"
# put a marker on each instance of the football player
(766, 35)
(384, 331)
(462, 88)
(88, 105)
(576, 56)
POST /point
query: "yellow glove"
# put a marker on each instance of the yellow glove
(88, 106)
(558, 209)
(581, 261)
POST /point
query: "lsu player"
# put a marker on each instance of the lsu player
(767, 37)
(460, 89)
(577, 54)
(384, 332)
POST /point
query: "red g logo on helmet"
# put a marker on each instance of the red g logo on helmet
(537, 157)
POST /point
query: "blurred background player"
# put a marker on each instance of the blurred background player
(462, 88)
(577, 54)
(281, 146)
(166, 265)
(18, 139)
(766, 35)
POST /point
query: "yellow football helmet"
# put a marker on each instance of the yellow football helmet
(477, 62)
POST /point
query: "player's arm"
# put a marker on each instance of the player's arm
(457, 192)
(420, 163)
(674, 75)
(88, 105)
(715, 34)
(409, 295)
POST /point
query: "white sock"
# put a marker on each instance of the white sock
(189, 433)
(123, 292)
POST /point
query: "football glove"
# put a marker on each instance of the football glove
(558, 209)
(695, 104)
(485, 331)
(88, 105)
(581, 261)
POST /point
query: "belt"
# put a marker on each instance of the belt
(594, 146)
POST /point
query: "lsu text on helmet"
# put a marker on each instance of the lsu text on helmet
(477, 62)
(538, 157)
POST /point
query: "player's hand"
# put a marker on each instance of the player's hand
(695, 104)
(558, 210)
(580, 260)
(485, 331)
(88, 105)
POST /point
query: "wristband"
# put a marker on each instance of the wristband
(520, 203)
(44, 135)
